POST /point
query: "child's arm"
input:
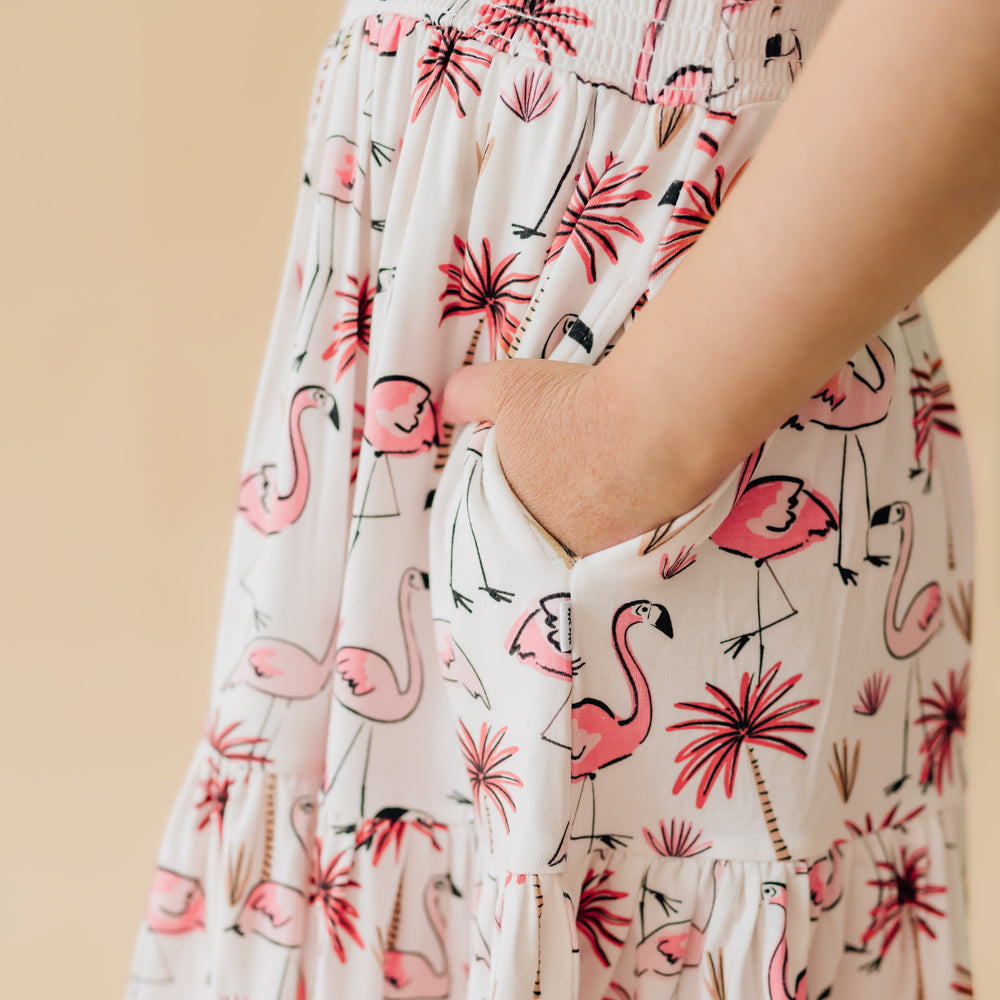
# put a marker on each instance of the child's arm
(882, 164)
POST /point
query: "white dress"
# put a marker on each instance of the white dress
(445, 758)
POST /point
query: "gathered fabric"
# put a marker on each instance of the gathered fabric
(445, 758)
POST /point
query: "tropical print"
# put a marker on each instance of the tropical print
(443, 757)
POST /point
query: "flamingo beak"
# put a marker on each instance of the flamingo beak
(881, 516)
(454, 888)
(335, 415)
(663, 622)
(426, 579)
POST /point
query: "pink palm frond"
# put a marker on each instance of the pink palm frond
(215, 797)
(681, 561)
(903, 897)
(946, 717)
(690, 221)
(528, 97)
(755, 719)
(482, 762)
(540, 20)
(388, 827)
(593, 919)
(232, 747)
(356, 325)
(329, 884)
(447, 63)
(590, 220)
(872, 693)
(679, 842)
(889, 822)
(477, 286)
(933, 414)
(962, 984)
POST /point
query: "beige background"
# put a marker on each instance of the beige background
(150, 158)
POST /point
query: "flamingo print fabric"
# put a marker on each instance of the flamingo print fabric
(444, 758)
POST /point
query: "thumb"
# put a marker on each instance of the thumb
(470, 392)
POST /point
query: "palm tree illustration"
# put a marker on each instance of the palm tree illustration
(903, 905)
(354, 327)
(689, 221)
(447, 63)
(328, 885)
(591, 219)
(932, 415)
(756, 718)
(593, 918)
(542, 22)
(529, 97)
(476, 286)
(945, 715)
(482, 762)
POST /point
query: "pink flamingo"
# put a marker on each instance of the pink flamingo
(777, 971)
(922, 618)
(276, 912)
(673, 946)
(263, 508)
(175, 905)
(410, 974)
(825, 883)
(852, 399)
(541, 637)
(364, 681)
(456, 667)
(599, 737)
(337, 181)
(772, 517)
(400, 419)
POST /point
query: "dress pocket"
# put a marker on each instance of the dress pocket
(682, 533)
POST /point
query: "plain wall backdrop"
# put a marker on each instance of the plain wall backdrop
(150, 167)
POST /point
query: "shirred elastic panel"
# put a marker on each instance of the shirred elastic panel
(653, 51)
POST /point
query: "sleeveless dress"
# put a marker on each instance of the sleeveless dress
(443, 757)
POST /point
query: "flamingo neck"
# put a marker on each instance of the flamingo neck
(779, 962)
(899, 571)
(641, 709)
(437, 924)
(299, 406)
(414, 666)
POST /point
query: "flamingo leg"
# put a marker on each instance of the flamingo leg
(461, 601)
(873, 559)
(284, 975)
(350, 746)
(735, 644)
(364, 773)
(559, 854)
(846, 575)
(267, 715)
(322, 261)
(896, 785)
(498, 595)
(526, 231)
(260, 619)
(364, 499)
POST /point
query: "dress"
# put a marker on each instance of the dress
(442, 756)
